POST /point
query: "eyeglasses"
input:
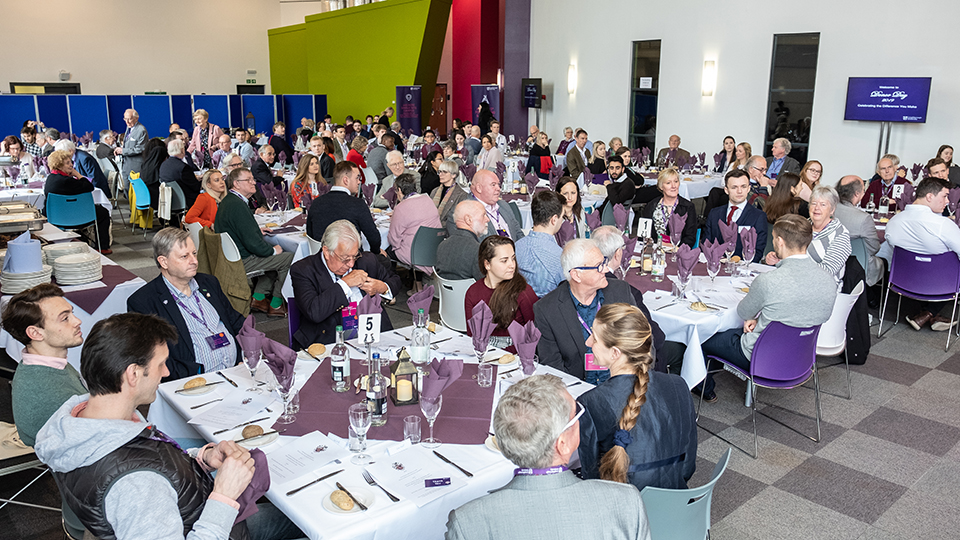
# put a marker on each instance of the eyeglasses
(580, 411)
(348, 260)
(814, 171)
(598, 268)
(763, 170)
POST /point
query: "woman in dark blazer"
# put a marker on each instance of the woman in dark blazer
(536, 161)
(661, 208)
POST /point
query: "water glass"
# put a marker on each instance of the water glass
(251, 359)
(431, 409)
(287, 389)
(411, 428)
(360, 418)
(485, 375)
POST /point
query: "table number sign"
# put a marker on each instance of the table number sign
(644, 226)
(369, 328)
(897, 191)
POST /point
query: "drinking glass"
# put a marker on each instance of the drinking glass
(360, 418)
(747, 259)
(485, 375)
(675, 243)
(728, 268)
(411, 428)
(431, 408)
(251, 359)
(287, 381)
(713, 268)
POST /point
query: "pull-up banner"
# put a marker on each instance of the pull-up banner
(408, 110)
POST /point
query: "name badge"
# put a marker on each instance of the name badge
(590, 365)
(436, 482)
(349, 321)
(217, 341)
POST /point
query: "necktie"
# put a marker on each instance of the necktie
(730, 215)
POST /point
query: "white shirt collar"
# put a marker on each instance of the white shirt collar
(341, 188)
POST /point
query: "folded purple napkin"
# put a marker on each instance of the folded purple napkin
(554, 176)
(525, 339)
(749, 240)
(909, 194)
(916, 170)
(442, 375)
(499, 174)
(717, 158)
(954, 198)
(13, 172)
(501, 168)
(468, 171)
(629, 245)
(322, 188)
(369, 305)
(368, 190)
(593, 220)
(391, 196)
(587, 177)
(215, 159)
(67, 137)
(600, 178)
(281, 360)
(729, 233)
(956, 219)
(676, 223)
(282, 157)
(620, 214)
(305, 201)
(296, 159)
(712, 251)
(421, 300)
(257, 487)
(686, 259)
(671, 156)
(645, 151)
(703, 158)
(531, 180)
(35, 185)
(480, 326)
(566, 233)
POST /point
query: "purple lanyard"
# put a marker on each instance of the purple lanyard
(583, 322)
(663, 209)
(496, 219)
(202, 321)
(539, 472)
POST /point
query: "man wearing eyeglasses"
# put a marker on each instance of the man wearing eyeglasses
(565, 315)
(537, 424)
(325, 284)
(780, 162)
(235, 218)
(760, 185)
(342, 203)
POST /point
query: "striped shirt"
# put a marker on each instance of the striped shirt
(203, 321)
(830, 248)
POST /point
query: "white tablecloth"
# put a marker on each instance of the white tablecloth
(385, 520)
(589, 201)
(35, 197)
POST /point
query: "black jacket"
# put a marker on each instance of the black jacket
(155, 298)
(684, 208)
(339, 205)
(175, 170)
(263, 174)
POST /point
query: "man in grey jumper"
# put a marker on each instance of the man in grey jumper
(798, 293)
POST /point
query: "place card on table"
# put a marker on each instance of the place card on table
(236, 408)
(407, 473)
(298, 459)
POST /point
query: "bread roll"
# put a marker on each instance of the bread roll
(316, 349)
(252, 431)
(507, 359)
(342, 500)
(194, 383)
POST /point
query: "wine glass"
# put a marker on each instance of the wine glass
(713, 268)
(431, 408)
(728, 253)
(287, 381)
(675, 242)
(251, 359)
(360, 417)
(748, 258)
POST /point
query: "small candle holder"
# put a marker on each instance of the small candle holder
(403, 381)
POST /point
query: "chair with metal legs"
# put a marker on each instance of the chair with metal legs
(832, 340)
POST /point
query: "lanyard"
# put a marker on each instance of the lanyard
(496, 219)
(200, 320)
(583, 322)
(539, 472)
(663, 209)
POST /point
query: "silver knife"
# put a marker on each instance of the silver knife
(241, 425)
(441, 340)
(667, 305)
(352, 498)
(207, 403)
(197, 387)
(464, 471)
(264, 434)
(322, 478)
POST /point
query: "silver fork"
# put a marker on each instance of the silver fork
(372, 482)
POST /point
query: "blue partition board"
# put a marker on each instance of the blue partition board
(88, 113)
(14, 111)
(155, 114)
(116, 106)
(182, 112)
(264, 111)
(53, 112)
(296, 107)
(319, 106)
(278, 99)
(216, 106)
(236, 117)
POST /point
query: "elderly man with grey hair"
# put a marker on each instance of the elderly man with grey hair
(327, 284)
(134, 143)
(565, 315)
(396, 168)
(49, 138)
(668, 355)
(780, 162)
(457, 254)
(537, 428)
(85, 164)
(173, 170)
(859, 224)
(194, 303)
(105, 148)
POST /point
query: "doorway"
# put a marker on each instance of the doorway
(438, 111)
(645, 83)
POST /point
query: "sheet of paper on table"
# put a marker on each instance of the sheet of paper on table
(302, 457)
(404, 474)
(233, 410)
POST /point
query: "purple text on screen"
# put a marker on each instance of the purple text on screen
(891, 99)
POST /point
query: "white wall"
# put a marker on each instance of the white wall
(882, 38)
(132, 46)
(294, 12)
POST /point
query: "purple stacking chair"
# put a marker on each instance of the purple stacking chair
(293, 319)
(783, 357)
(931, 278)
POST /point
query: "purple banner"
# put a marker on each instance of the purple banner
(902, 99)
(408, 110)
(485, 92)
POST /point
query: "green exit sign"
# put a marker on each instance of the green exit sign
(251, 81)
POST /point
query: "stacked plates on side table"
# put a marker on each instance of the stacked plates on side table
(13, 283)
(53, 252)
(78, 268)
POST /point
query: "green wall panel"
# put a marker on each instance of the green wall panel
(362, 79)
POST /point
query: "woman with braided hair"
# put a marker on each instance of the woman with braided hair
(640, 425)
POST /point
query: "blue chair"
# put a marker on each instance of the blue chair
(72, 212)
(142, 194)
(423, 250)
(682, 514)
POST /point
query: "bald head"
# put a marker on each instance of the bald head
(850, 189)
(485, 186)
(674, 141)
(471, 216)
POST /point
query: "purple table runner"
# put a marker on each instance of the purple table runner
(464, 417)
(296, 221)
(646, 283)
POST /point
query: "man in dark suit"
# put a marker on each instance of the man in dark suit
(664, 158)
(134, 142)
(620, 188)
(565, 316)
(473, 140)
(485, 187)
(737, 188)
(327, 283)
(194, 303)
(175, 170)
(261, 168)
(342, 203)
(780, 162)
(457, 254)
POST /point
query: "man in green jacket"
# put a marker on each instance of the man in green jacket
(44, 322)
(235, 218)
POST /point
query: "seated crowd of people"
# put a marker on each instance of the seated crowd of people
(637, 426)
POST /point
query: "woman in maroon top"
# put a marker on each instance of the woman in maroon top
(503, 288)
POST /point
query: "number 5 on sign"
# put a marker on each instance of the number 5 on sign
(369, 328)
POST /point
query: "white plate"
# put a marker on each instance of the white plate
(491, 444)
(203, 390)
(262, 441)
(362, 494)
